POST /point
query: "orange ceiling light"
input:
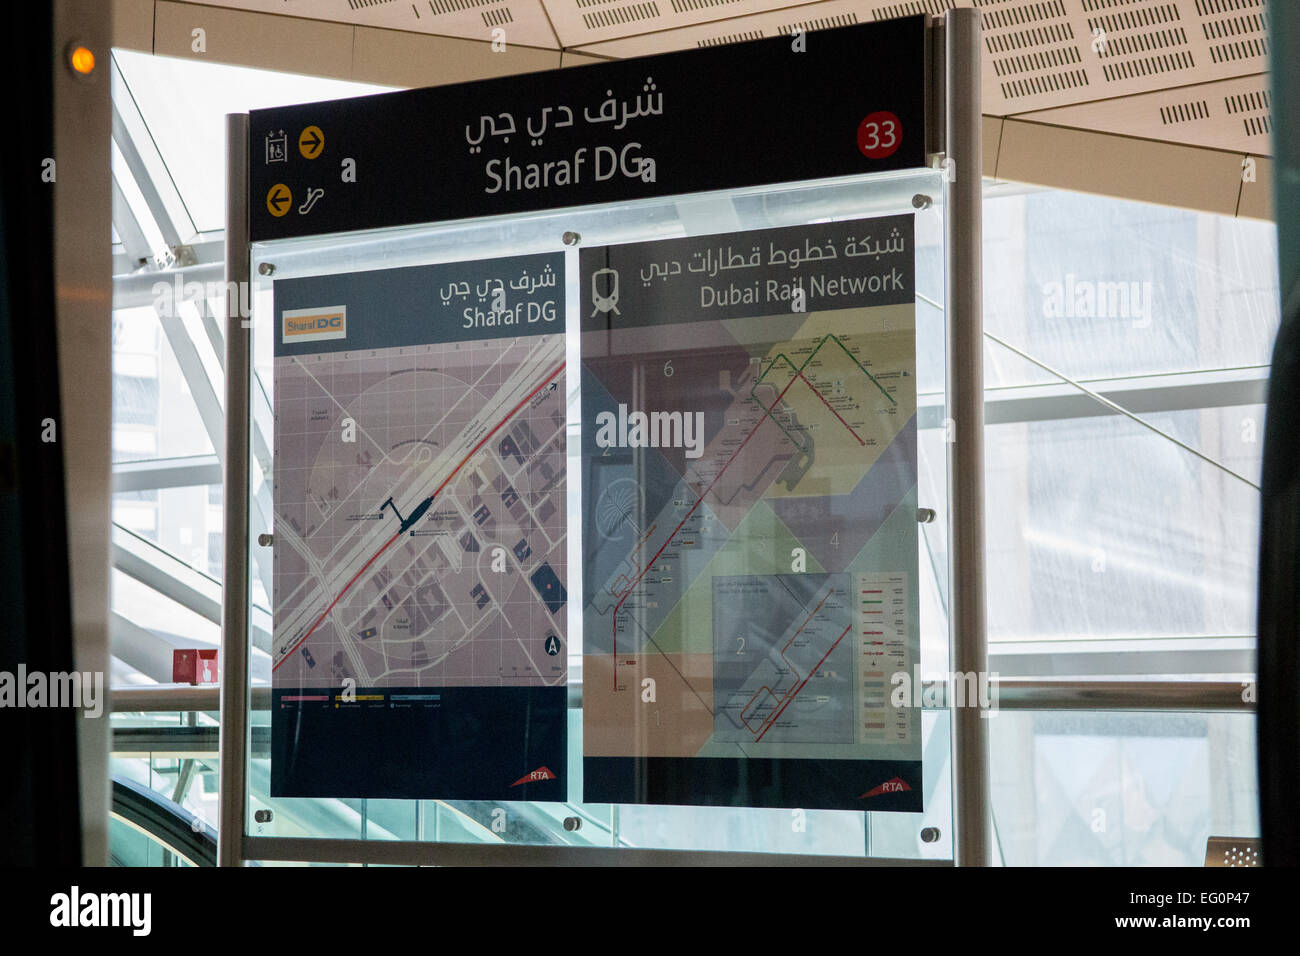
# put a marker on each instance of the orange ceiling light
(82, 60)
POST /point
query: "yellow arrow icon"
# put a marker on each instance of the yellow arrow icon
(278, 200)
(311, 142)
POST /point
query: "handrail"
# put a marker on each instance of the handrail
(164, 821)
(1013, 693)
(155, 698)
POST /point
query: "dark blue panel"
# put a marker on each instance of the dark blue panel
(810, 784)
(452, 743)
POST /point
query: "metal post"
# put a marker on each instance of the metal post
(81, 209)
(234, 601)
(970, 750)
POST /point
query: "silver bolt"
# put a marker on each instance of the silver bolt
(930, 835)
(920, 201)
(571, 238)
(572, 823)
(266, 269)
(265, 540)
(925, 515)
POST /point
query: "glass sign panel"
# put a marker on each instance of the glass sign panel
(749, 481)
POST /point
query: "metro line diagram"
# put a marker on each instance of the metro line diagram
(769, 412)
(731, 580)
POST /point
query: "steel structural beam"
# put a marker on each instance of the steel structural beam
(169, 576)
(141, 648)
(181, 742)
(1145, 395)
(213, 415)
(158, 211)
(173, 578)
(157, 473)
(409, 853)
(1014, 694)
(135, 245)
(130, 134)
(204, 698)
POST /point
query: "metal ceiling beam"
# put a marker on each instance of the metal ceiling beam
(137, 289)
(131, 135)
(210, 409)
(1074, 661)
(136, 167)
(166, 473)
(166, 574)
(135, 246)
(173, 578)
(212, 329)
(159, 698)
(1147, 394)
(149, 652)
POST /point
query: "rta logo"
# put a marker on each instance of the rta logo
(541, 773)
(896, 785)
(880, 135)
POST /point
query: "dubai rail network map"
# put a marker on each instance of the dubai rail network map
(749, 513)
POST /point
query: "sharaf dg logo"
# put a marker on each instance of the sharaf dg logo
(75, 908)
(314, 325)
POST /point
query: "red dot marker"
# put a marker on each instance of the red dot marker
(880, 135)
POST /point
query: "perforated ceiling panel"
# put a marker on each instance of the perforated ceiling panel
(1050, 53)
(524, 21)
(1187, 71)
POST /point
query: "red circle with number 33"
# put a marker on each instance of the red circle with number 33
(879, 135)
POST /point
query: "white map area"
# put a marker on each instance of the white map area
(429, 549)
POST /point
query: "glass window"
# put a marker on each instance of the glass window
(1103, 288)
(184, 102)
(1126, 359)
(1115, 789)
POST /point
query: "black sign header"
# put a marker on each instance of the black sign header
(833, 103)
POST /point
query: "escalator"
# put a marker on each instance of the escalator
(151, 830)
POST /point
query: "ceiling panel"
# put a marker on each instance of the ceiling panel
(1044, 53)
(580, 23)
(1228, 114)
(1184, 71)
(524, 21)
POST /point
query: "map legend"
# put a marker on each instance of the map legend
(881, 614)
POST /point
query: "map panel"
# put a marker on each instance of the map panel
(784, 669)
(421, 532)
(749, 484)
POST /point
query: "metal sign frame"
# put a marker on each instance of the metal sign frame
(953, 134)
